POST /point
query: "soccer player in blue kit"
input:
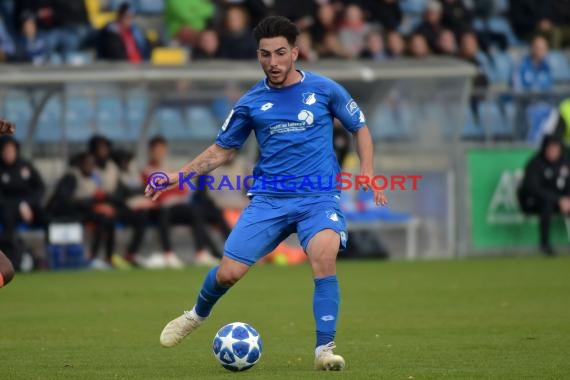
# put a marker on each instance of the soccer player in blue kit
(291, 113)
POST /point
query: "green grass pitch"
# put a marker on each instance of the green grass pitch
(472, 319)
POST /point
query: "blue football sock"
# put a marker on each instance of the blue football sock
(210, 293)
(325, 308)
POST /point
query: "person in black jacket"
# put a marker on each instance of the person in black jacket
(545, 189)
(21, 192)
(79, 197)
(6, 267)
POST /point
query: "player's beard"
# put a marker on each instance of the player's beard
(280, 82)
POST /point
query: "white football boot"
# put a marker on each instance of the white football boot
(177, 329)
(326, 360)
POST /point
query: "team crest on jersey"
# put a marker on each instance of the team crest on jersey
(266, 106)
(309, 98)
(351, 107)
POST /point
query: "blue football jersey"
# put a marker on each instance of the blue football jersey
(293, 126)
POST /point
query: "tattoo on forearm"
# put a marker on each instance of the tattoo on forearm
(210, 159)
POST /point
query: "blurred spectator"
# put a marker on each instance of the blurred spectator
(456, 17)
(374, 49)
(78, 197)
(106, 171)
(175, 209)
(432, 26)
(529, 16)
(184, 19)
(21, 192)
(534, 72)
(256, 9)
(208, 45)
(341, 142)
(123, 40)
(418, 46)
(65, 24)
(386, 12)
(306, 51)
(31, 45)
(133, 208)
(545, 189)
(326, 21)
(6, 43)
(353, 31)
(236, 40)
(301, 12)
(469, 51)
(446, 44)
(395, 45)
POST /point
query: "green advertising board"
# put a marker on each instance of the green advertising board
(496, 220)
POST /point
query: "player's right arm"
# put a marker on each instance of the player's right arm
(207, 161)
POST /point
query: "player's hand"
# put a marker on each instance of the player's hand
(158, 183)
(380, 199)
(7, 127)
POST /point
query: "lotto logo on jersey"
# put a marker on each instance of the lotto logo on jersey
(351, 107)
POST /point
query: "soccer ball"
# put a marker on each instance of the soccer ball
(237, 346)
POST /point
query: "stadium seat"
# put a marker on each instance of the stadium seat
(50, 123)
(414, 7)
(169, 56)
(502, 26)
(170, 123)
(17, 109)
(78, 119)
(493, 121)
(110, 118)
(559, 65)
(471, 130)
(150, 6)
(201, 122)
(136, 111)
(501, 68)
(384, 124)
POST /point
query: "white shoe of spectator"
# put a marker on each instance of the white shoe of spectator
(173, 261)
(154, 261)
(205, 258)
(99, 264)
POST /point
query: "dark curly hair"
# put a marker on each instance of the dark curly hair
(276, 26)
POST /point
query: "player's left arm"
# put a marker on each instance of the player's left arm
(365, 150)
(7, 127)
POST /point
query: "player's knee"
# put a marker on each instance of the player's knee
(7, 273)
(227, 277)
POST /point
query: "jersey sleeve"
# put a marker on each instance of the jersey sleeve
(344, 108)
(235, 129)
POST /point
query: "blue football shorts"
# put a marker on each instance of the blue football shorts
(267, 221)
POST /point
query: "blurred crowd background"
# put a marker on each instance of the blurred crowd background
(434, 77)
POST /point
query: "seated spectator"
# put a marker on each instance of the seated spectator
(353, 30)
(185, 19)
(64, 23)
(469, 51)
(6, 43)
(456, 17)
(78, 197)
(446, 44)
(122, 39)
(374, 49)
(31, 45)
(208, 45)
(257, 9)
(175, 209)
(299, 11)
(326, 22)
(432, 25)
(306, 51)
(386, 12)
(534, 73)
(108, 175)
(530, 16)
(21, 192)
(236, 41)
(545, 189)
(418, 46)
(395, 44)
